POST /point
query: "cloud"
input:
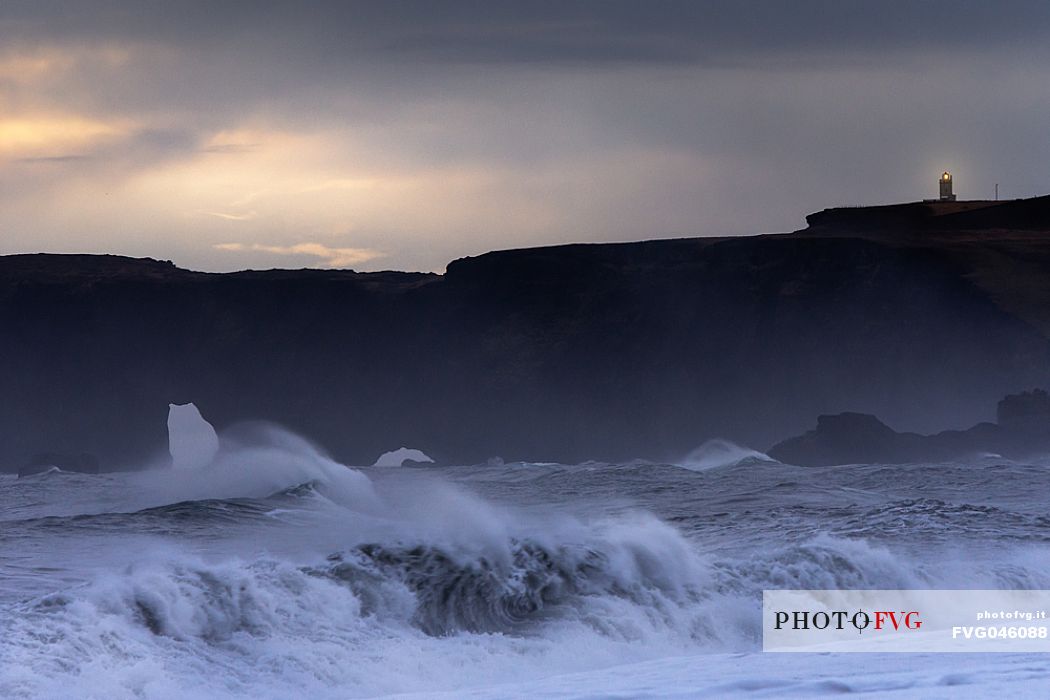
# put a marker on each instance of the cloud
(232, 217)
(332, 257)
(430, 131)
(337, 32)
(230, 148)
(46, 136)
(54, 159)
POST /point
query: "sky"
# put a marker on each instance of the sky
(403, 135)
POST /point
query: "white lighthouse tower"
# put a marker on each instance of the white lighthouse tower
(945, 183)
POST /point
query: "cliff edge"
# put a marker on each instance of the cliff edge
(565, 353)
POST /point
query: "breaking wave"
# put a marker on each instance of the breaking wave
(276, 572)
(342, 625)
(424, 570)
(721, 453)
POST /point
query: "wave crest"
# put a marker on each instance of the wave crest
(721, 453)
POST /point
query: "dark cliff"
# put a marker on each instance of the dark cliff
(572, 352)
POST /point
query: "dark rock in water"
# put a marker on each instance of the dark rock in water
(1027, 412)
(847, 438)
(45, 461)
(850, 438)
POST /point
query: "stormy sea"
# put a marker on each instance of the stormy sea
(276, 572)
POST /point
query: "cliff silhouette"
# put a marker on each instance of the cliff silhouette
(921, 315)
(1021, 430)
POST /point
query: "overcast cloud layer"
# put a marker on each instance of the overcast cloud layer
(405, 134)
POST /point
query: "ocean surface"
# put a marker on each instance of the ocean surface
(277, 573)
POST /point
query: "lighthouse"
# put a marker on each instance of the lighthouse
(945, 183)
